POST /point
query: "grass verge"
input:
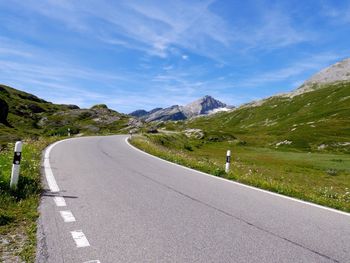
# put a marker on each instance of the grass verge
(18, 208)
(318, 178)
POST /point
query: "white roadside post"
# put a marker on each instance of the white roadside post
(228, 160)
(16, 164)
(68, 132)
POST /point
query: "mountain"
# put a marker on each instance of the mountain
(338, 72)
(173, 113)
(24, 115)
(316, 119)
(138, 113)
(203, 106)
(142, 113)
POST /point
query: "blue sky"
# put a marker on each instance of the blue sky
(146, 54)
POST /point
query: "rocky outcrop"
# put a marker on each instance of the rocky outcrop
(194, 133)
(4, 110)
(98, 114)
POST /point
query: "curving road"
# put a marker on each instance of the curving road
(109, 202)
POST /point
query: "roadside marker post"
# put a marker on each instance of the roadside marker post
(228, 161)
(16, 164)
(68, 132)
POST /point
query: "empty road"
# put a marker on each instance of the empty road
(109, 202)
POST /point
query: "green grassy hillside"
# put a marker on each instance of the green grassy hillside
(24, 113)
(30, 116)
(314, 121)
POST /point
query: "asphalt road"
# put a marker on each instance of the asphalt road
(122, 205)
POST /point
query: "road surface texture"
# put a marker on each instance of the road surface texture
(122, 205)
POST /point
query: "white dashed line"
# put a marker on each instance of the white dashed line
(80, 239)
(59, 201)
(92, 261)
(67, 216)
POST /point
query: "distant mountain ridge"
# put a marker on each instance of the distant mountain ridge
(202, 106)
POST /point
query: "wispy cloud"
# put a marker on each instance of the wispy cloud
(338, 14)
(158, 53)
(275, 30)
(160, 28)
(300, 70)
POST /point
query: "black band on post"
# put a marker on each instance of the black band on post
(228, 159)
(17, 158)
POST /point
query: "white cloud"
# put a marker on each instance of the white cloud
(163, 33)
(301, 68)
(159, 27)
(275, 29)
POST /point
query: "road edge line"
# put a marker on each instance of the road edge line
(50, 179)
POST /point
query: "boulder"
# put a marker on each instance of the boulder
(35, 108)
(194, 133)
(135, 123)
(4, 110)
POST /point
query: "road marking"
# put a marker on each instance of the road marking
(59, 201)
(80, 239)
(47, 168)
(243, 185)
(67, 216)
(92, 261)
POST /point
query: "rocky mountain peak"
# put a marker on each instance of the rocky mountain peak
(339, 71)
(202, 106)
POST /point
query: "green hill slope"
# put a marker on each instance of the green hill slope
(30, 116)
(316, 120)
